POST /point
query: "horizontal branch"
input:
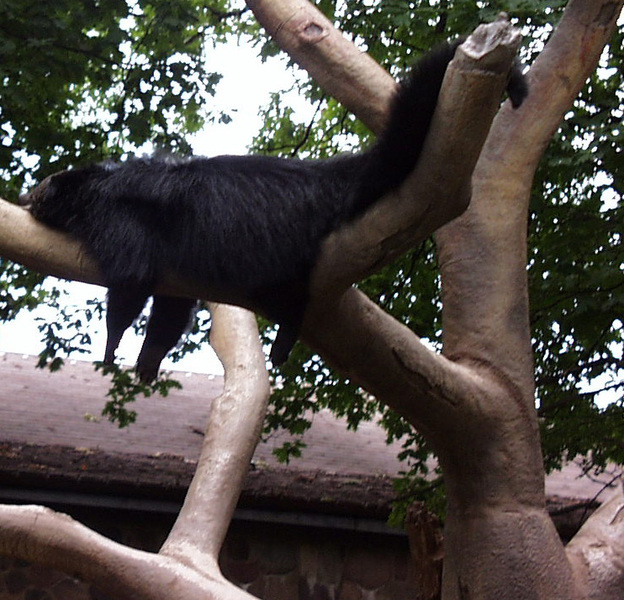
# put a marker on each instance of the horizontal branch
(331, 326)
(26, 241)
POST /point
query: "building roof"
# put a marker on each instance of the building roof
(47, 441)
(40, 407)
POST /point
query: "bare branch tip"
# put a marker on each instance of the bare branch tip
(489, 38)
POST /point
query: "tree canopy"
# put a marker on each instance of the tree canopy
(120, 74)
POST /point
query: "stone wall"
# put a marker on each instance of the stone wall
(285, 563)
(22, 581)
(273, 562)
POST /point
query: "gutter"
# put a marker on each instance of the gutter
(69, 500)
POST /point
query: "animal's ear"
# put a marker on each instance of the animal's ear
(63, 183)
(36, 194)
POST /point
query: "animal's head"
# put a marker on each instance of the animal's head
(60, 198)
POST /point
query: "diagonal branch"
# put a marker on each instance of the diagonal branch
(438, 190)
(343, 71)
(341, 328)
(389, 360)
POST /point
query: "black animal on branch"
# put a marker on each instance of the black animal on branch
(248, 228)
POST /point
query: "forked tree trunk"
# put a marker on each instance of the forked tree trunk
(500, 541)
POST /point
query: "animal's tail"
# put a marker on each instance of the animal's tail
(399, 146)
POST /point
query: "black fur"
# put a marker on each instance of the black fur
(249, 228)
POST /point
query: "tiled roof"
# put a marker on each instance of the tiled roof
(39, 409)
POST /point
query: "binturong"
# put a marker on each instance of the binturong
(248, 228)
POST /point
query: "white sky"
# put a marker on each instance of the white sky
(244, 88)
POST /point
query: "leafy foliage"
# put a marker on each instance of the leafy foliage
(577, 274)
(68, 333)
(19, 288)
(115, 74)
(124, 389)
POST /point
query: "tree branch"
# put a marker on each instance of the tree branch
(389, 360)
(432, 196)
(233, 431)
(310, 39)
(597, 551)
(439, 188)
(24, 240)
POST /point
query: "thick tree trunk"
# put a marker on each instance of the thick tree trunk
(494, 473)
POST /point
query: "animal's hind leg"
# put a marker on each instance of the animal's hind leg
(168, 321)
(285, 339)
(124, 304)
(287, 306)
